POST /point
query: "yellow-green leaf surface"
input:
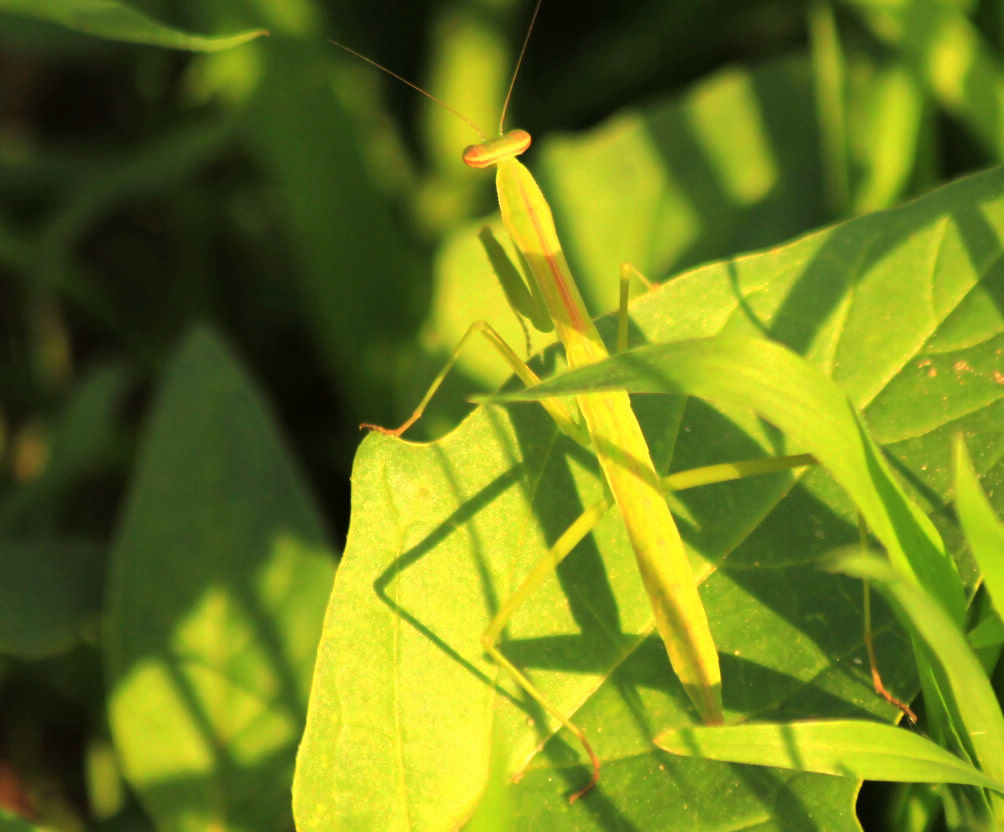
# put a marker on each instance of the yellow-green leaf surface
(120, 21)
(900, 308)
(217, 584)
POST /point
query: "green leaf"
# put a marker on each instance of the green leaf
(50, 593)
(415, 709)
(984, 532)
(217, 584)
(118, 21)
(976, 703)
(333, 219)
(854, 748)
(404, 703)
(969, 83)
(81, 436)
(988, 633)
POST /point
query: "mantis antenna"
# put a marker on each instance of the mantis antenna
(411, 84)
(519, 63)
(439, 101)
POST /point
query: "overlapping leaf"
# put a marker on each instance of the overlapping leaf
(218, 577)
(120, 21)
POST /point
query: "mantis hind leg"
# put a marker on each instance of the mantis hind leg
(564, 546)
(541, 570)
(877, 683)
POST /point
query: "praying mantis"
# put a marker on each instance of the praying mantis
(603, 423)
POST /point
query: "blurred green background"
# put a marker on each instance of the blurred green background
(304, 206)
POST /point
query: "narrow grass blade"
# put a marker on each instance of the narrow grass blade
(984, 532)
(976, 705)
(853, 748)
(988, 633)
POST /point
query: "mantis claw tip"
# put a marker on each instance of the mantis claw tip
(377, 429)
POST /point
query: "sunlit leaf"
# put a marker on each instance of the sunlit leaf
(442, 532)
(218, 578)
(119, 21)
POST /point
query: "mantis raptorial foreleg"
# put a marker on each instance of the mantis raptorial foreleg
(524, 307)
(557, 410)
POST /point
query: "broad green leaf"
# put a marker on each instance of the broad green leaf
(399, 733)
(729, 166)
(217, 584)
(976, 702)
(416, 709)
(119, 21)
(495, 812)
(50, 593)
(855, 748)
(984, 532)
